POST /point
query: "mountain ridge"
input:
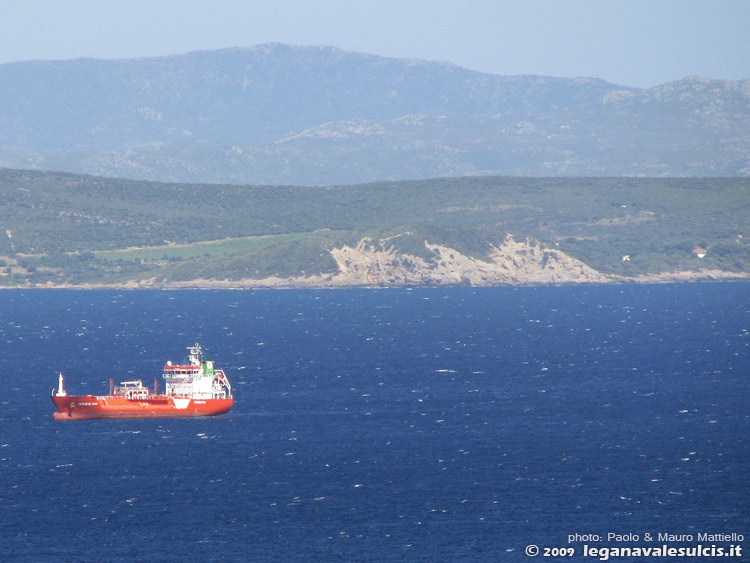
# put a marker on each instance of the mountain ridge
(246, 116)
(309, 84)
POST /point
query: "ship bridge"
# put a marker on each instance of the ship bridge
(197, 378)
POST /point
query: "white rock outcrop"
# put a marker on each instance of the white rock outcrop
(511, 262)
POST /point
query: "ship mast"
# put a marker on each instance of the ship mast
(61, 386)
(196, 354)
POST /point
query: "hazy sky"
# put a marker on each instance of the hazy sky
(630, 42)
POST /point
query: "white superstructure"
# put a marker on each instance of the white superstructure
(198, 379)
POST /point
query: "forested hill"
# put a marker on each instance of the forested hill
(282, 114)
(65, 229)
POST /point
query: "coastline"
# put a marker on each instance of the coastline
(331, 282)
(370, 264)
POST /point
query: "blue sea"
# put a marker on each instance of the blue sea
(446, 424)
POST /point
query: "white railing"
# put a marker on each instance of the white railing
(223, 381)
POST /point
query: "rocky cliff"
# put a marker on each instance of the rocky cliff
(379, 264)
(512, 262)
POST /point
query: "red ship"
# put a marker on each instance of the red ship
(194, 388)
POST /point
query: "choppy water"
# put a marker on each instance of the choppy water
(378, 425)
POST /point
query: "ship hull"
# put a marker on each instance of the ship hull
(83, 407)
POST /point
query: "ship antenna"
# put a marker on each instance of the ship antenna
(196, 352)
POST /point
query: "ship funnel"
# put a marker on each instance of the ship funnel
(61, 386)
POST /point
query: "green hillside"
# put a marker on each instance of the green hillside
(76, 229)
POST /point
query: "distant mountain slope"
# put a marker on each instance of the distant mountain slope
(247, 96)
(318, 115)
